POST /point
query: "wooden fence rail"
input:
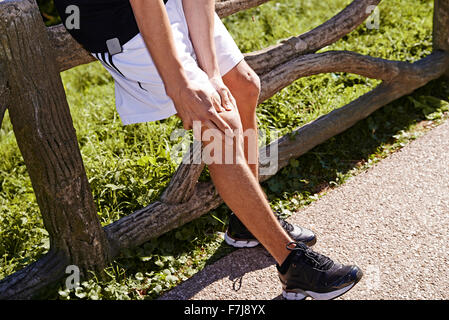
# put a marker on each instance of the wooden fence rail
(31, 59)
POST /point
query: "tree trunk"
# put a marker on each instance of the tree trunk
(47, 140)
(225, 8)
(2, 113)
(4, 93)
(441, 27)
(182, 184)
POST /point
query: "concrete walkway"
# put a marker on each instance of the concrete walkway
(391, 220)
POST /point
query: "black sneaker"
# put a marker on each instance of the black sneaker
(238, 235)
(306, 273)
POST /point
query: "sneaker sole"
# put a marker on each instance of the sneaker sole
(237, 243)
(240, 243)
(301, 295)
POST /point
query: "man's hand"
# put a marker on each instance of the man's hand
(194, 103)
(227, 100)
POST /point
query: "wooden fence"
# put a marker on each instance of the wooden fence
(31, 59)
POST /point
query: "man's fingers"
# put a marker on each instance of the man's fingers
(234, 102)
(186, 126)
(216, 101)
(186, 121)
(222, 125)
(226, 101)
(211, 125)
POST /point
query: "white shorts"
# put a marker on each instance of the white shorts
(139, 91)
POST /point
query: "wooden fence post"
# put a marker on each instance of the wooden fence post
(441, 26)
(47, 140)
(4, 92)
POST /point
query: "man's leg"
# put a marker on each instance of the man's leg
(244, 85)
(239, 189)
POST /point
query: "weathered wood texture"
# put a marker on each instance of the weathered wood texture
(36, 279)
(182, 184)
(4, 93)
(225, 8)
(441, 27)
(159, 218)
(68, 52)
(44, 130)
(333, 61)
(2, 113)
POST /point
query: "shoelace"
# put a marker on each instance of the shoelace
(287, 226)
(311, 257)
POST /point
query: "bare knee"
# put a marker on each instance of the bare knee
(244, 83)
(249, 84)
(232, 119)
(220, 148)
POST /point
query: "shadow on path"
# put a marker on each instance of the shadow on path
(232, 270)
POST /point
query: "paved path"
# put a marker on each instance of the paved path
(392, 220)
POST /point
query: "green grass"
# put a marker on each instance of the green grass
(128, 167)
